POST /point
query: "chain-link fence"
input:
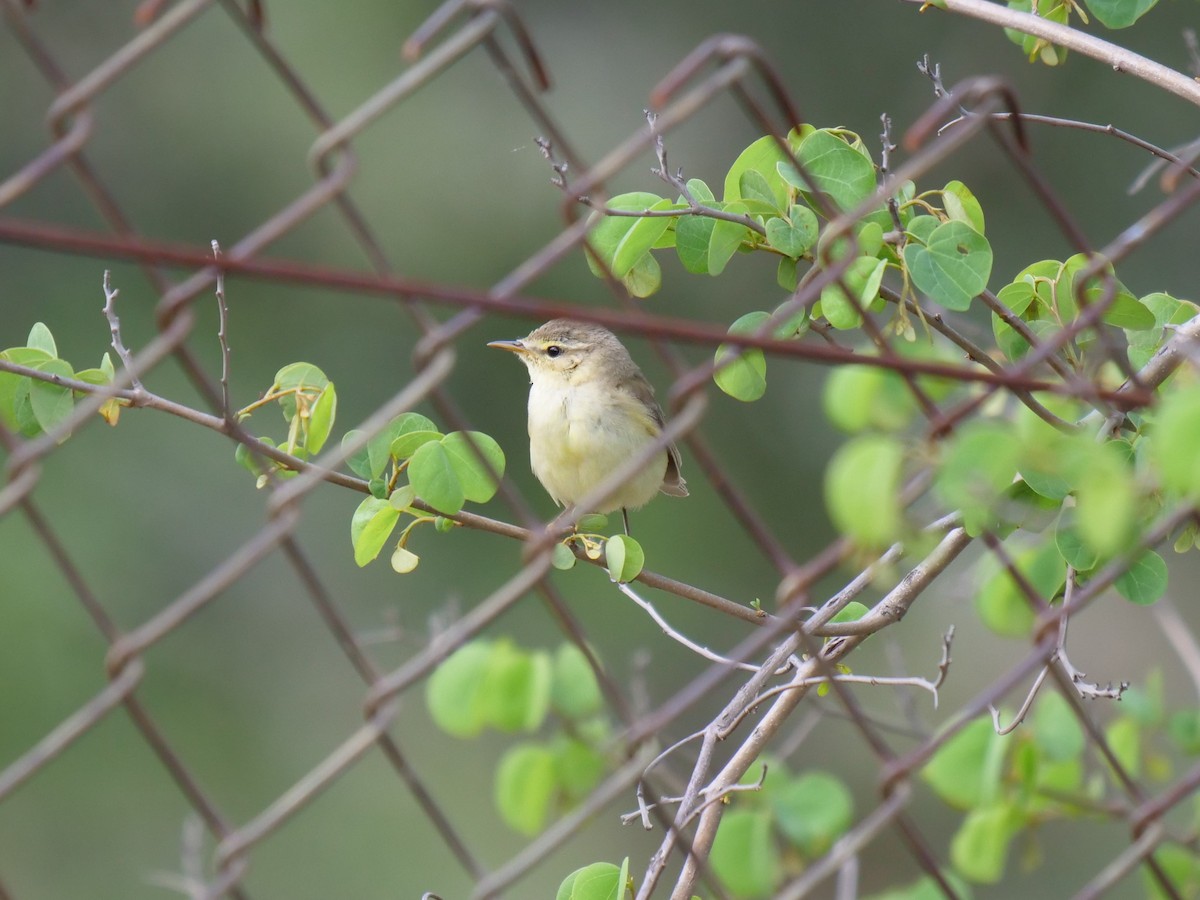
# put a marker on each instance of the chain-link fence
(688, 728)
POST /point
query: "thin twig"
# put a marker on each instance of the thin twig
(114, 327)
(223, 335)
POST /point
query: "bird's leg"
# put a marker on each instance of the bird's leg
(625, 519)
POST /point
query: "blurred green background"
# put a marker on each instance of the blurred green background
(200, 141)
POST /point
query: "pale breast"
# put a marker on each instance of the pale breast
(578, 437)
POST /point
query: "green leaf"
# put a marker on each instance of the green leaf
(525, 786)
(1056, 731)
(761, 157)
(621, 241)
(851, 612)
(1166, 311)
(1106, 498)
(478, 483)
(320, 419)
(966, 771)
(976, 471)
(813, 811)
(1119, 13)
(578, 767)
(1124, 736)
(954, 265)
(599, 881)
(1001, 603)
(700, 191)
(742, 374)
(516, 688)
(645, 278)
(755, 189)
(1145, 580)
(454, 693)
(564, 558)
(1182, 869)
(370, 528)
(705, 245)
(574, 692)
(1176, 437)
(980, 846)
(744, 855)
(858, 397)
(837, 170)
(960, 205)
(862, 485)
(624, 558)
(51, 403)
(359, 461)
(40, 338)
(1184, 729)
(1072, 549)
(862, 279)
(795, 235)
(432, 472)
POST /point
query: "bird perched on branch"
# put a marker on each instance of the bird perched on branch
(590, 410)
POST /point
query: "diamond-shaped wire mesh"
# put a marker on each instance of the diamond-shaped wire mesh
(202, 694)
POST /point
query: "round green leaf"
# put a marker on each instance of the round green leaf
(979, 848)
(515, 692)
(862, 487)
(966, 771)
(645, 278)
(953, 266)
(599, 881)
(454, 693)
(578, 767)
(836, 169)
(795, 235)
(526, 782)
(51, 403)
(1145, 580)
(563, 558)
(1176, 437)
(858, 397)
(1056, 731)
(478, 483)
(575, 693)
(434, 476)
(705, 245)
(742, 374)
(624, 558)
(862, 278)
(761, 157)
(813, 811)
(620, 241)
(976, 471)
(744, 855)
(1119, 13)
(1003, 606)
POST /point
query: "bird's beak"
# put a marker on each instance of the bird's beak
(514, 346)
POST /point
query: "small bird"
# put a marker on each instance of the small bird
(591, 409)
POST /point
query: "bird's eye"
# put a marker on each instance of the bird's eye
(553, 350)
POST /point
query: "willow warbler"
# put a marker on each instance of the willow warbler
(590, 410)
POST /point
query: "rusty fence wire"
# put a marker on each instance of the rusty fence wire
(718, 720)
